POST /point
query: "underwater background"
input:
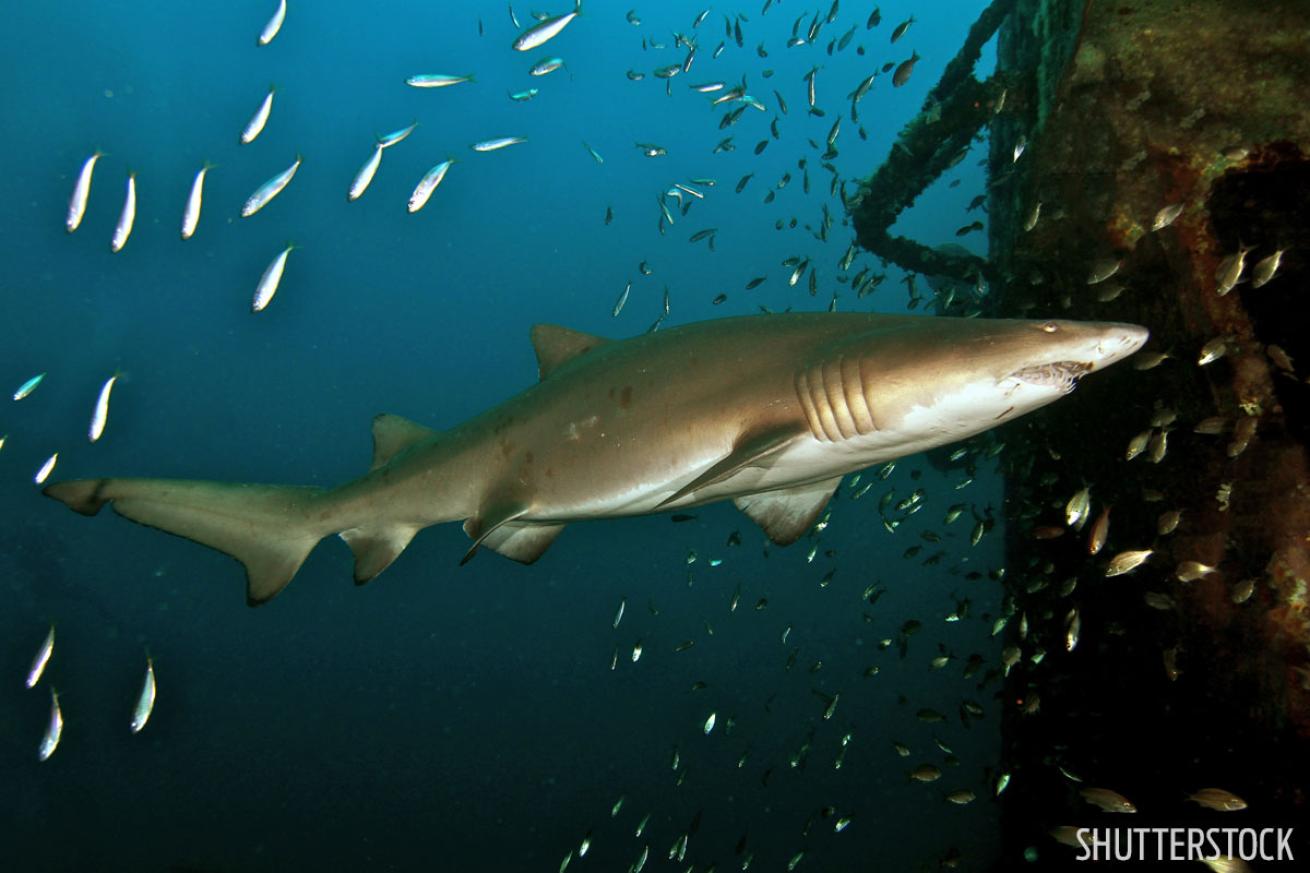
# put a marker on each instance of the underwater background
(448, 717)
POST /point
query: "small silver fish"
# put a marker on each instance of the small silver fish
(544, 31)
(1168, 522)
(145, 703)
(1150, 360)
(366, 173)
(1243, 590)
(550, 65)
(255, 126)
(269, 282)
(1213, 350)
(54, 730)
(437, 80)
(1033, 216)
(1072, 628)
(191, 215)
(1190, 571)
(623, 299)
(1166, 216)
(81, 191)
(101, 414)
(1078, 508)
(46, 469)
(1103, 269)
(1229, 273)
(29, 386)
(270, 189)
(274, 24)
(1126, 562)
(126, 218)
(491, 145)
(1108, 800)
(1218, 800)
(1266, 268)
(396, 136)
(42, 659)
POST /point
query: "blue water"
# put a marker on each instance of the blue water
(446, 717)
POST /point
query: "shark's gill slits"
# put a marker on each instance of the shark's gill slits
(832, 397)
(852, 371)
(1060, 374)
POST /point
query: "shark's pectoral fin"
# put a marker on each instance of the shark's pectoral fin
(522, 542)
(752, 450)
(392, 434)
(376, 548)
(557, 345)
(786, 515)
(486, 523)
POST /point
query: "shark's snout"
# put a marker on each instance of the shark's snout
(1118, 342)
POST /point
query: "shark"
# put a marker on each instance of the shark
(769, 411)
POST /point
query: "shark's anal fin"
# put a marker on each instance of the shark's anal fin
(787, 514)
(393, 434)
(376, 548)
(557, 345)
(488, 520)
(751, 450)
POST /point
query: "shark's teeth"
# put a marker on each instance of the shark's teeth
(1059, 374)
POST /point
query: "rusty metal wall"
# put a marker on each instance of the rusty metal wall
(1117, 111)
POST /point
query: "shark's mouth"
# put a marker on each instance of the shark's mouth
(1063, 375)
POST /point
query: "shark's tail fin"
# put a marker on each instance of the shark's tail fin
(268, 528)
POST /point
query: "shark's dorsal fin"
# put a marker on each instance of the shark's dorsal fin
(557, 345)
(392, 434)
(751, 450)
(787, 514)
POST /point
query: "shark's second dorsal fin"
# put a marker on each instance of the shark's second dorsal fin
(392, 434)
(557, 345)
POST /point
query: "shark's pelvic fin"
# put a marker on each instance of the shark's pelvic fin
(376, 548)
(557, 345)
(524, 543)
(268, 528)
(787, 514)
(751, 450)
(481, 526)
(392, 434)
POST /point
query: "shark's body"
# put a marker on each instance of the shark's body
(770, 411)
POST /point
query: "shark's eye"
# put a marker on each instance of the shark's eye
(1050, 327)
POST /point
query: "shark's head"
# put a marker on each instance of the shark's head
(1054, 355)
(924, 382)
